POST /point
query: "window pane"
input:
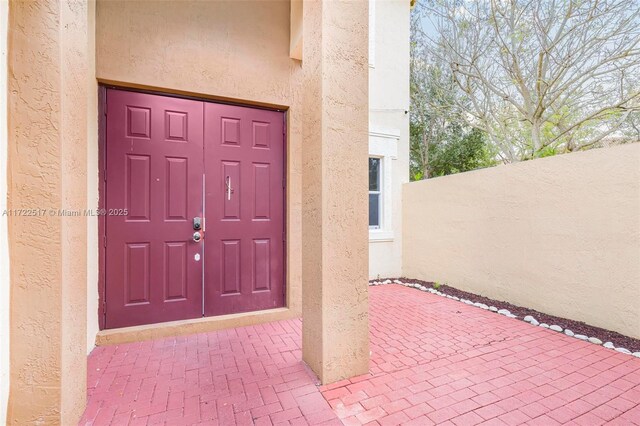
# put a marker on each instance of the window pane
(374, 209)
(374, 174)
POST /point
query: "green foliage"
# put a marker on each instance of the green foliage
(547, 151)
(462, 150)
(436, 285)
(467, 151)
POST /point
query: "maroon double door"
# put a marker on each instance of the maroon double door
(194, 209)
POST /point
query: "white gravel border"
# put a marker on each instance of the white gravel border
(530, 319)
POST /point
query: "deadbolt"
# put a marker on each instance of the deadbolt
(197, 223)
(197, 236)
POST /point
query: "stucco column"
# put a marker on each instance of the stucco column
(335, 304)
(47, 104)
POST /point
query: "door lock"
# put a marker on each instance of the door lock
(197, 223)
(197, 236)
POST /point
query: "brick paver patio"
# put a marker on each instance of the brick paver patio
(434, 361)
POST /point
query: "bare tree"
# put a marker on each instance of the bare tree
(542, 76)
(441, 140)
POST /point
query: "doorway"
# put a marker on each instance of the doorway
(193, 209)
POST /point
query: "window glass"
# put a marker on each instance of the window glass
(374, 210)
(374, 174)
(374, 193)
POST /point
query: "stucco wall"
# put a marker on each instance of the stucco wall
(4, 243)
(560, 235)
(335, 329)
(389, 125)
(47, 125)
(224, 50)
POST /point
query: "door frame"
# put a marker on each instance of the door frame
(102, 184)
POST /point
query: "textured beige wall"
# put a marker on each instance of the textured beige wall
(388, 101)
(47, 107)
(236, 50)
(4, 241)
(335, 340)
(560, 235)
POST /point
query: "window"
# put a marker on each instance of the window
(374, 193)
(383, 153)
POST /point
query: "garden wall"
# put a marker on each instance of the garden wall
(560, 235)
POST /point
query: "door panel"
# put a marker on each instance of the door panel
(244, 203)
(154, 169)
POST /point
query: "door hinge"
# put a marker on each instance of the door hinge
(104, 309)
(104, 175)
(104, 240)
(284, 236)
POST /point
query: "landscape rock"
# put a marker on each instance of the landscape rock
(569, 332)
(397, 281)
(544, 325)
(609, 345)
(555, 328)
(529, 318)
(386, 282)
(534, 322)
(624, 351)
(510, 315)
(581, 336)
(595, 340)
(455, 297)
(493, 309)
(503, 311)
(636, 354)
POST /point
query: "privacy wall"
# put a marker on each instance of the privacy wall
(560, 235)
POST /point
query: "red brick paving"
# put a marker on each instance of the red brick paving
(434, 361)
(245, 376)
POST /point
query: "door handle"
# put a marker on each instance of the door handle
(227, 183)
(197, 236)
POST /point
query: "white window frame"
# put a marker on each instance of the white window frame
(383, 144)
